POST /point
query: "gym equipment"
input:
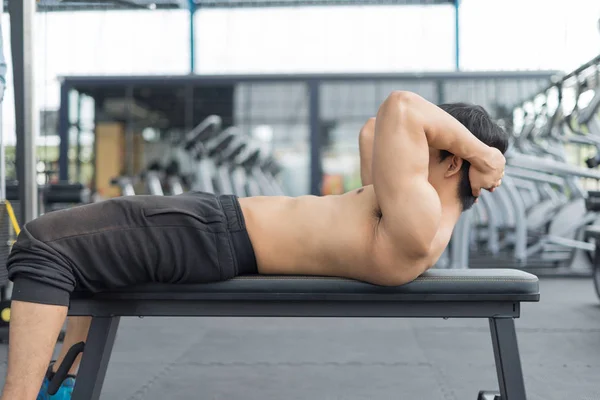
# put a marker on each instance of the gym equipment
(259, 169)
(538, 217)
(492, 294)
(209, 159)
(152, 179)
(195, 143)
(248, 161)
(173, 179)
(125, 184)
(237, 174)
(63, 369)
(10, 230)
(218, 150)
(271, 169)
(219, 161)
(593, 232)
(228, 162)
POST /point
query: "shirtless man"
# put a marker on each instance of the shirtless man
(421, 167)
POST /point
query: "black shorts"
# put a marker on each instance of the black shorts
(191, 238)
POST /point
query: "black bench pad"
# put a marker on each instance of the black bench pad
(491, 294)
(435, 285)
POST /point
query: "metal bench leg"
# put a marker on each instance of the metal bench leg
(96, 355)
(508, 362)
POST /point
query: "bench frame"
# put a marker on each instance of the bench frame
(501, 310)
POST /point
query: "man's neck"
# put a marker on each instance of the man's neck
(451, 212)
(451, 206)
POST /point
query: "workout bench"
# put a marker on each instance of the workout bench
(466, 293)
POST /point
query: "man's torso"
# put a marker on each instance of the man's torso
(330, 235)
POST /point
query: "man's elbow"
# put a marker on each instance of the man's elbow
(420, 250)
(402, 107)
(401, 100)
(399, 273)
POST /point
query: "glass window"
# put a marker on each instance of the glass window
(345, 106)
(348, 100)
(276, 115)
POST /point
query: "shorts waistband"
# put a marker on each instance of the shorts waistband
(242, 246)
(233, 212)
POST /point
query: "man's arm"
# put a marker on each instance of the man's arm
(406, 126)
(365, 147)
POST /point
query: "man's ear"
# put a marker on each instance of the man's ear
(454, 165)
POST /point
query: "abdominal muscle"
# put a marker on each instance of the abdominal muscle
(309, 235)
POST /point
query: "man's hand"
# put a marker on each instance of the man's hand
(489, 177)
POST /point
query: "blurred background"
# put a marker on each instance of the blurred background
(299, 76)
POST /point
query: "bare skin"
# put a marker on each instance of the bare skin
(396, 226)
(33, 332)
(388, 232)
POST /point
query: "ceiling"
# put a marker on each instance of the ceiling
(86, 5)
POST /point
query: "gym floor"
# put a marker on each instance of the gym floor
(351, 359)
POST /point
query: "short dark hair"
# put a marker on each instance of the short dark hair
(477, 120)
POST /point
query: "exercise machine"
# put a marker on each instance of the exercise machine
(538, 217)
(218, 150)
(195, 144)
